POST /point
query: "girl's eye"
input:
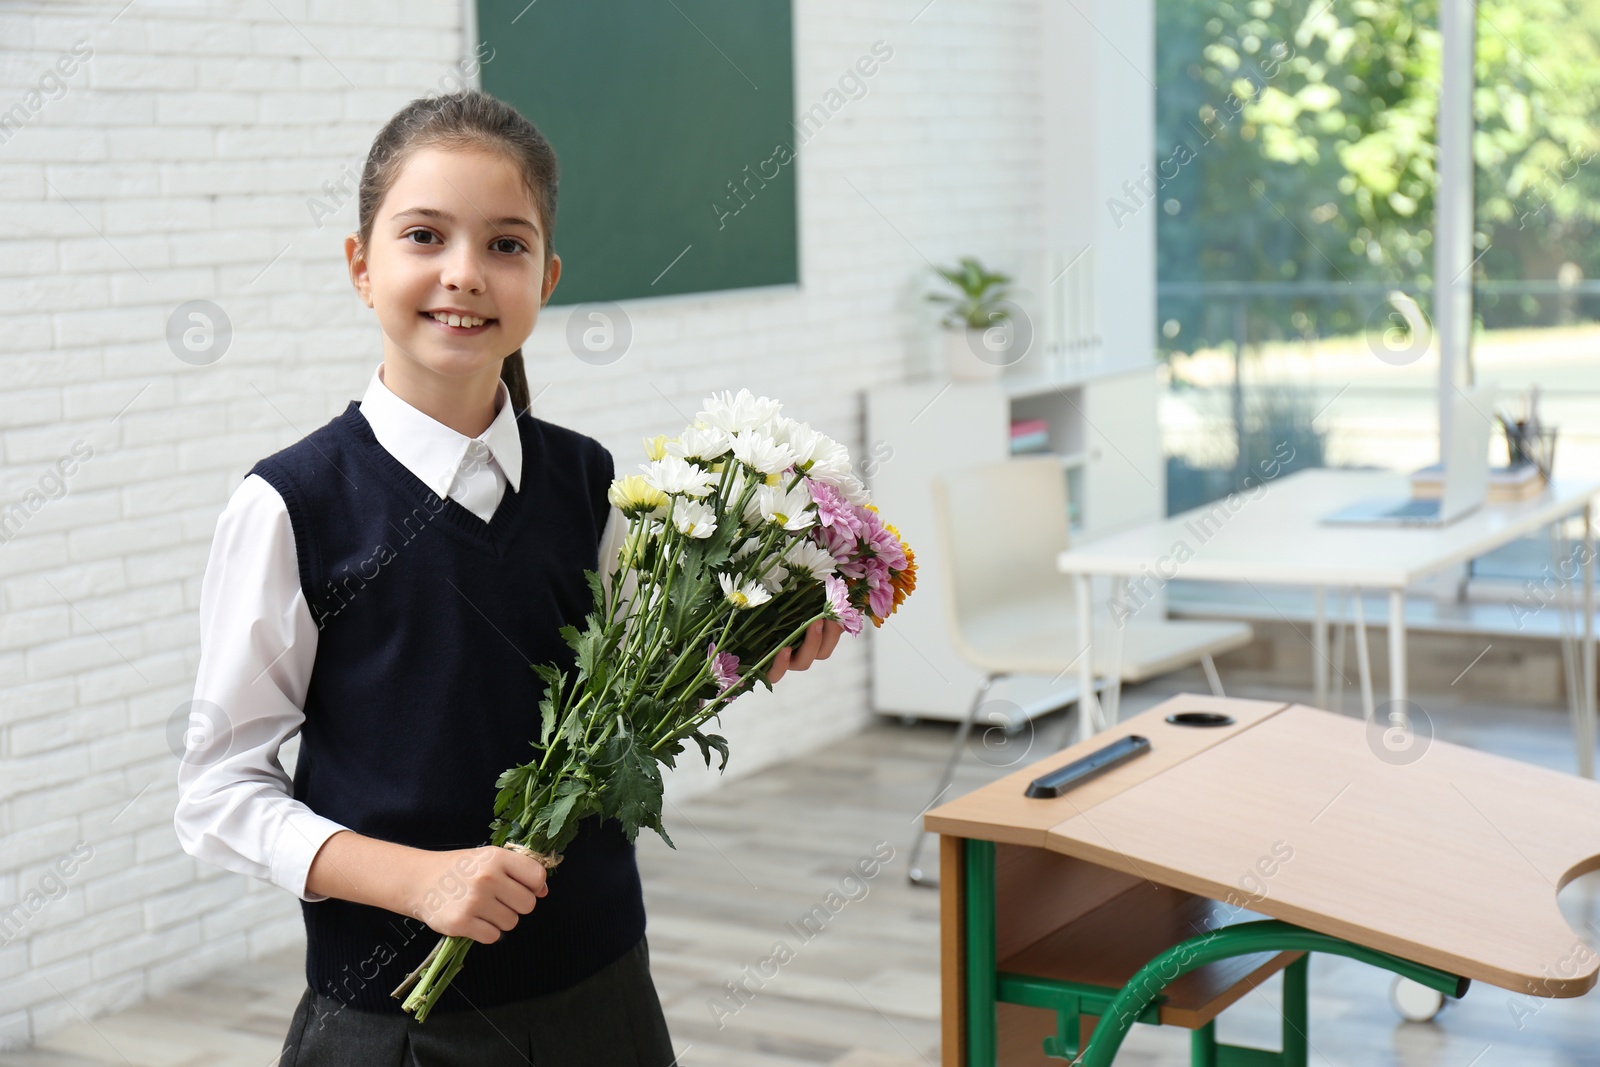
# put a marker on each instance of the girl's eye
(516, 245)
(420, 233)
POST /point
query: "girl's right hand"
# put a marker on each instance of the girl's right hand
(475, 892)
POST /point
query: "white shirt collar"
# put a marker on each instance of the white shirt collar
(430, 449)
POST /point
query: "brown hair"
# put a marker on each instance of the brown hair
(466, 119)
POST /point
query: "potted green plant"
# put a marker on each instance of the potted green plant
(975, 339)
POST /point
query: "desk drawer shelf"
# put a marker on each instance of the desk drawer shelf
(1107, 946)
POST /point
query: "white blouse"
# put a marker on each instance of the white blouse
(236, 808)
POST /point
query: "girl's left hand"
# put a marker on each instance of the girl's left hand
(820, 638)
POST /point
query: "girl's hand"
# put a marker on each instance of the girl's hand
(475, 892)
(820, 638)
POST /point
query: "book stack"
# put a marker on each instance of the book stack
(1029, 435)
(1507, 485)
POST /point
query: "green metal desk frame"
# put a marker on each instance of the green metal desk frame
(1140, 999)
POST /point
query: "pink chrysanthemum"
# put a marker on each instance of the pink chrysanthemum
(883, 544)
(848, 615)
(880, 596)
(833, 510)
(724, 668)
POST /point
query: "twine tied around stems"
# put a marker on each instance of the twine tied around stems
(550, 861)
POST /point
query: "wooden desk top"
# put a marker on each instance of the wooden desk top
(1452, 860)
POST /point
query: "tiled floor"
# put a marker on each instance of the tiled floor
(761, 852)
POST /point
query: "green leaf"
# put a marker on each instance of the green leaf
(646, 712)
(707, 742)
(633, 791)
(596, 588)
(572, 728)
(569, 633)
(547, 720)
(555, 816)
(554, 680)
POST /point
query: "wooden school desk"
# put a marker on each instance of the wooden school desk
(1442, 867)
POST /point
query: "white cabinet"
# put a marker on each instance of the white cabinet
(1104, 428)
(1124, 472)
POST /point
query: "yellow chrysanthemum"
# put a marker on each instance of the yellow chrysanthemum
(634, 496)
(655, 447)
(901, 581)
(632, 552)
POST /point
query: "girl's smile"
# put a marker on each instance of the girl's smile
(458, 322)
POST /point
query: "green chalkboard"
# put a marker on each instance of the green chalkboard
(672, 120)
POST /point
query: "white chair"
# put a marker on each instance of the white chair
(1010, 611)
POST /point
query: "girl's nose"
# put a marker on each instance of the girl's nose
(462, 272)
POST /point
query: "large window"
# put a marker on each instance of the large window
(1295, 181)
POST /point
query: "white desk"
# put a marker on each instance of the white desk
(1272, 534)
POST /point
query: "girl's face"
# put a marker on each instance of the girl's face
(457, 239)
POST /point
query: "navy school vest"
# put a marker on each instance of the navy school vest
(421, 694)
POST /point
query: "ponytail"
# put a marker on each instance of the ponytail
(515, 375)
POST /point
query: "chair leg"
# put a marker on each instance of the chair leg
(1363, 654)
(1210, 667)
(914, 871)
(1336, 704)
(1203, 1045)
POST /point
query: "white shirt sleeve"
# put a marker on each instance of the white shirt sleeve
(611, 540)
(236, 807)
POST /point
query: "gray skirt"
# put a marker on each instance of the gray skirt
(612, 1018)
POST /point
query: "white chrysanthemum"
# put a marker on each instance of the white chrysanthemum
(725, 411)
(850, 487)
(792, 510)
(674, 474)
(806, 555)
(764, 453)
(694, 519)
(771, 571)
(748, 595)
(698, 443)
(772, 574)
(737, 483)
(826, 457)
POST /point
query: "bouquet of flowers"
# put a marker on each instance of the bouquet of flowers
(743, 530)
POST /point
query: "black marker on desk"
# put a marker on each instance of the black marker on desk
(1095, 763)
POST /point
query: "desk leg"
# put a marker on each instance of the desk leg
(1587, 705)
(952, 953)
(1088, 706)
(1397, 649)
(1319, 645)
(1119, 608)
(982, 982)
(1363, 654)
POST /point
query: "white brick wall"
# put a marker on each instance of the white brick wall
(177, 165)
